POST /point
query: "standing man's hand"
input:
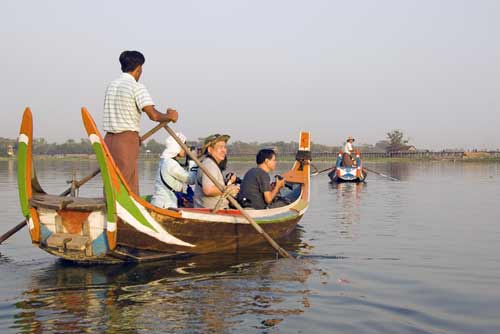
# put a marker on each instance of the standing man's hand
(172, 114)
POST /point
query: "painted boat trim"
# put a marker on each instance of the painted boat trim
(24, 174)
(127, 207)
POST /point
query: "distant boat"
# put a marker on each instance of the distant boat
(353, 173)
(125, 227)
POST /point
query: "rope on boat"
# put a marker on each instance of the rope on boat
(225, 194)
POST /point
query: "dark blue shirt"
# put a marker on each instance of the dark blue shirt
(254, 184)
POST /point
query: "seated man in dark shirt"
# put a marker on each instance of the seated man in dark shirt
(256, 190)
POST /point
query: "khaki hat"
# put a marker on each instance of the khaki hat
(212, 139)
(350, 138)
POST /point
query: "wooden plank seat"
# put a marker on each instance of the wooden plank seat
(68, 241)
(55, 202)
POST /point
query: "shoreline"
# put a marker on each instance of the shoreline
(287, 158)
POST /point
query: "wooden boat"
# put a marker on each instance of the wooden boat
(125, 227)
(354, 173)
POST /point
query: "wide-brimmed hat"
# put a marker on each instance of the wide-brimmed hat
(350, 138)
(212, 139)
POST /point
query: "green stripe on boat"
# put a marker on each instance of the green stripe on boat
(22, 158)
(124, 199)
(106, 179)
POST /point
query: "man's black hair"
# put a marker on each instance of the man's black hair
(130, 60)
(265, 153)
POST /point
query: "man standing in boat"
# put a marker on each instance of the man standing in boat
(124, 102)
(347, 160)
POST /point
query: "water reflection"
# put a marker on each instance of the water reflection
(348, 202)
(4, 259)
(207, 294)
(402, 171)
(11, 168)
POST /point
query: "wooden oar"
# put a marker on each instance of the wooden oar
(231, 199)
(322, 171)
(378, 173)
(78, 184)
(12, 231)
(97, 171)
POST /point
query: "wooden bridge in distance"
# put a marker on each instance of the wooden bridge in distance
(430, 155)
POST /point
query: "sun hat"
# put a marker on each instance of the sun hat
(173, 148)
(212, 140)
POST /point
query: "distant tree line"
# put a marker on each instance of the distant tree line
(395, 141)
(42, 147)
(5, 143)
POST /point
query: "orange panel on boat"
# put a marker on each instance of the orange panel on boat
(73, 220)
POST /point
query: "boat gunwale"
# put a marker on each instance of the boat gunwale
(177, 213)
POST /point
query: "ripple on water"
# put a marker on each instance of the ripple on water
(417, 256)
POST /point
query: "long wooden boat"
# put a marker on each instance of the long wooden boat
(122, 226)
(354, 173)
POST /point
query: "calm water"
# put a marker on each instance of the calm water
(416, 256)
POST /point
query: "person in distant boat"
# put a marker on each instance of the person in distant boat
(171, 177)
(206, 194)
(347, 160)
(124, 102)
(256, 190)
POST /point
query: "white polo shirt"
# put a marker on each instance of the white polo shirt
(123, 104)
(348, 147)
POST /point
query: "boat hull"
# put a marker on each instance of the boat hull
(347, 174)
(77, 235)
(122, 226)
(207, 237)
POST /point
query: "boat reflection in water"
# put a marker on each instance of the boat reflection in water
(211, 293)
(348, 202)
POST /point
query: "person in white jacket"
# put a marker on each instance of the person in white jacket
(171, 177)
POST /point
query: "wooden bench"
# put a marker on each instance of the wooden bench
(55, 202)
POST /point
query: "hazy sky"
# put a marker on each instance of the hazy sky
(263, 70)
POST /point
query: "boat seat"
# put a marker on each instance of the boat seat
(55, 202)
(68, 241)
